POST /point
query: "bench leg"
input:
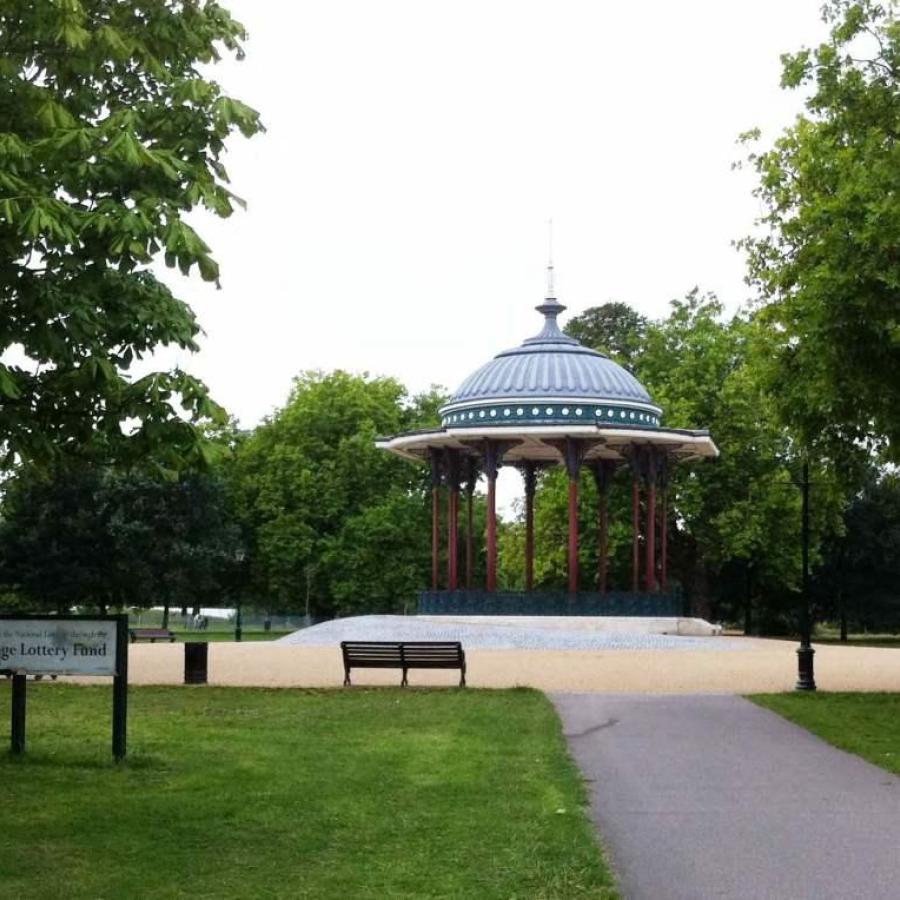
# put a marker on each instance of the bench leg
(462, 676)
(404, 682)
(346, 676)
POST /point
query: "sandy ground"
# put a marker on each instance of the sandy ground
(759, 665)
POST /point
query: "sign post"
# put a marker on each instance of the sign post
(120, 690)
(18, 714)
(66, 645)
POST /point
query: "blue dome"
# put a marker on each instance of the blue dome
(551, 368)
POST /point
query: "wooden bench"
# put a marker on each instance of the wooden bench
(150, 634)
(404, 655)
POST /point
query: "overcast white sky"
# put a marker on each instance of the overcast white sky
(415, 150)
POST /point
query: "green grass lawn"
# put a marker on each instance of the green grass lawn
(865, 724)
(257, 793)
(860, 640)
(218, 629)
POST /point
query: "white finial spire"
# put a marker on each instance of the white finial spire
(551, 307)
(551, 288)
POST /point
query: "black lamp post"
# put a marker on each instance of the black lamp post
(805, 676)
(238, 632)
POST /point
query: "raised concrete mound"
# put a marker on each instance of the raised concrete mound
(521, 632)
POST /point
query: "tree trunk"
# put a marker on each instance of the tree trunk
(165, 619)
(843, 610)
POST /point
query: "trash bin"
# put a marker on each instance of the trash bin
(196, 655)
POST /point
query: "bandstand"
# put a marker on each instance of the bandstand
(551, 401)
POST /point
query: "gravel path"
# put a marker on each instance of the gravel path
(706, 796)
(495, 636)
(749, 665)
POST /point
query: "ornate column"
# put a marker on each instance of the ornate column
(636, 456)
(451, 460)
(603, 471)
(492, 456)
(573, 454)
(471, 481)
(435, 460)
(529, 476)
(650, 563)
(663, 477)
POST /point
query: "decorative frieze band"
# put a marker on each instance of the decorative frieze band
(605, 415)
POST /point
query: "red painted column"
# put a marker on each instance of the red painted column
(664, 542)
(471, 481)
(435, 520)
(603, 548)
(573, 534)
(492, 456)
(635, 530)
(650, 566)
(452, 466)
(453, 539)
(604, 470)
(529, 474)
(492, 532)
(573, 453)
(470, 549)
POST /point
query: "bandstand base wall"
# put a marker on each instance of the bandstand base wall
(540, 603)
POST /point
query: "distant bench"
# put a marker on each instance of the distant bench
(404, 655)
(150, 634)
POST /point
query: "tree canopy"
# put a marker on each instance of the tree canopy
(318, 498)
(858, 580)
(825, 260)
(98, 538)
(111, 132)
(613, 328)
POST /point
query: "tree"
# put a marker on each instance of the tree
(858, 582)
(380, 557)
(55, 543)
(826, 261)
(179, 541)
(613, 328)
(313, 490)
(95, 538)
(111, 135)
(741, 511)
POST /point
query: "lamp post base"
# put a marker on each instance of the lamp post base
(805, 677)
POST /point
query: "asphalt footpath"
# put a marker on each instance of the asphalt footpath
(710, 796)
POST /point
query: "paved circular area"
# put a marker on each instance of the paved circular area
(497, 635)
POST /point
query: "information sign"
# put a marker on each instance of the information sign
(65, 645)
(58, 646)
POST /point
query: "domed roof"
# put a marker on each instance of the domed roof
(551, 367)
